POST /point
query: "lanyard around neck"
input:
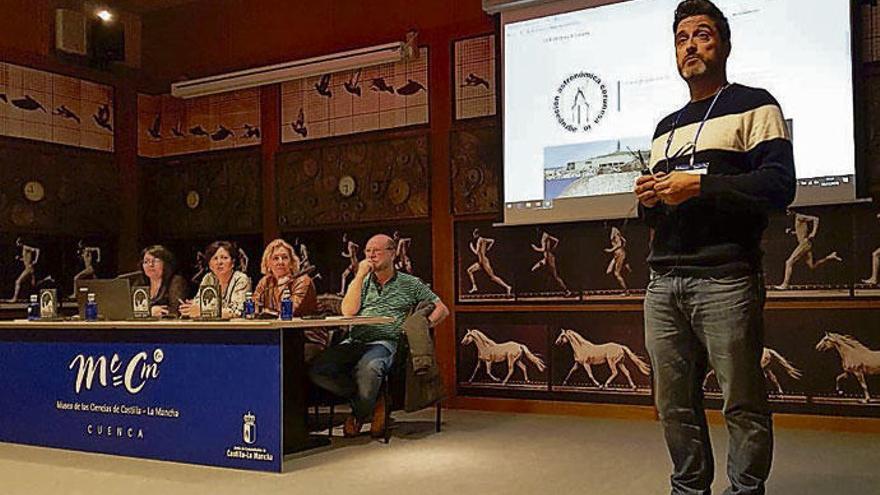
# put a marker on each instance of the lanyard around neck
(693, 144)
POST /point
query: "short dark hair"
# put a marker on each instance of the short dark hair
(230, 248)
(690, 8)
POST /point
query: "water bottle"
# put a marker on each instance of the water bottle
(249, 306)
(91, 308)
(33, 309)
(286, 306)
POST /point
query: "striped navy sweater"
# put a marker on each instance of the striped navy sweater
(745, 151)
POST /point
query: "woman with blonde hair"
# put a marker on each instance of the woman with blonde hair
(280, 266)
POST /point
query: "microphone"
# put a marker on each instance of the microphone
(304, 271)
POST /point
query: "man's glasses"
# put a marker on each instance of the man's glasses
(378, 250)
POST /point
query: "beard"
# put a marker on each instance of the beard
(693, 69)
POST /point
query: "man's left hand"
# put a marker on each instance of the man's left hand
(677, 187)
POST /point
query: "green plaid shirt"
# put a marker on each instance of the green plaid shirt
(400, 295)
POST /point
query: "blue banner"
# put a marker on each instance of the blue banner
(216, 403)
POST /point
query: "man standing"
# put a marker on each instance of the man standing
(355, 368)
(719, 165)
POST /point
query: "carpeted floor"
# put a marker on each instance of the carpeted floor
(477, 453)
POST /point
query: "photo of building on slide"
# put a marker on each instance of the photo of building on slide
(594, 169)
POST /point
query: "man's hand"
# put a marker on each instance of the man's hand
(364, 268)
(645, 189)
(677, 187)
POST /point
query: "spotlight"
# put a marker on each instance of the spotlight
(105, 15)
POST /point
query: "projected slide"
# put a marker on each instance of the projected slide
(584, 90)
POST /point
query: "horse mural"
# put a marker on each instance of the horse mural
(768, 357)
(488, 352)
(855, 359)
(614, 355)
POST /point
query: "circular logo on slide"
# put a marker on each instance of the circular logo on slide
(581, 102)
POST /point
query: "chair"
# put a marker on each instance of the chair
(394, 390)
(394, 382)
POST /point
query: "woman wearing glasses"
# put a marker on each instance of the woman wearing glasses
(167, 288)
(234, 285)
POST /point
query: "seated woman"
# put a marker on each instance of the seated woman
(279, 267)
(222, 260)
(167, 288)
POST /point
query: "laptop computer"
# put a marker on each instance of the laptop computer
(112, 295)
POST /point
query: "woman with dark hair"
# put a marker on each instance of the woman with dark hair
(167, 288)
(222, 259)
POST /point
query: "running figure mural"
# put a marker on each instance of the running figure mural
(29, 257)
(349, 251)
(402, 261)
(805, 229)
(548, 259)
(481, 246)
(90, 256)
(618, 263)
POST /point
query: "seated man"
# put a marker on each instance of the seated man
(355, 368)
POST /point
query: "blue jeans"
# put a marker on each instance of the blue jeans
(693, 322)
(354, 370)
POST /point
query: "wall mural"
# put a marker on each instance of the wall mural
(34, 261)
(172, 126)
(474, 85)
(350, 182)
(50, 107)
(813, 252)
(43, 189)
(597, 357)
(502, 357)
(820, 361)
(866, 245)
(475, 154)
(808, 252)
(360, 100)
(569, 262)
(202, 195)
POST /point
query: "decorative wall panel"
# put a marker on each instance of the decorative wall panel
(476, 170)
(368, 99)
(353, 182)
(808, 252)
(474, 60)
(588, 261)
(172, 126)
(51, 189)
(203, 195)
(554, 356)
(49, 107)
